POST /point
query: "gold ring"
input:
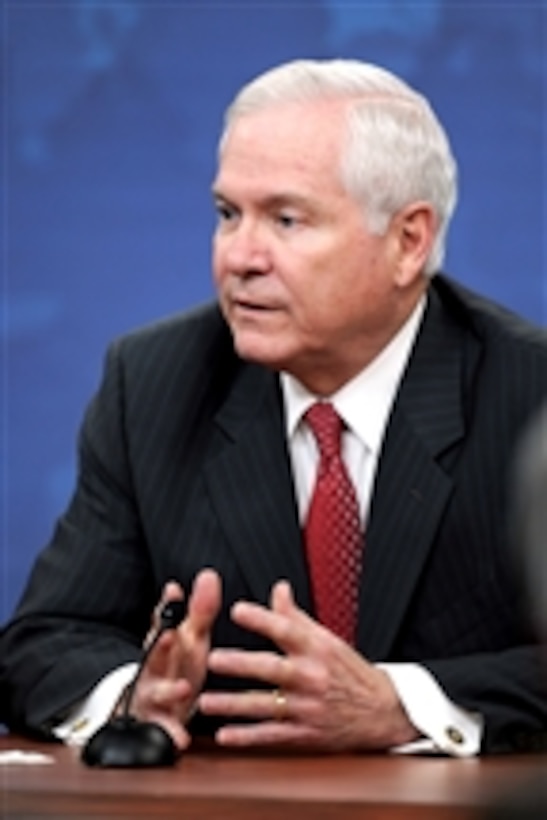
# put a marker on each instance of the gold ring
(280, 704)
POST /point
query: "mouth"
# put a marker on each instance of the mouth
(247, 305)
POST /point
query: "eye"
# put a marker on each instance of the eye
(286, 220)
(225, 213)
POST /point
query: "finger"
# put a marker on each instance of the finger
(263, 666)
(267, 733)
(283, 630)
(176, 730)
(282, 601)
(172, 591)
(165, 695)
(204, 602)
(281, 597)
(168, 703)
(294, 628)
(162, 660)
(258, 704)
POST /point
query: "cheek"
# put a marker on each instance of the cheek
(216, 260)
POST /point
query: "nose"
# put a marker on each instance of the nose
(244, 251)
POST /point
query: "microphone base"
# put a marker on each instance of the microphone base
(128, 743)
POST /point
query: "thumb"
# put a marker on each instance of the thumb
(282, 598)
(283, 602)
(204, 602)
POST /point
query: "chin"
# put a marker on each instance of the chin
(259, 350)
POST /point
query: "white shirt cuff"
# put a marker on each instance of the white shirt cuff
(97, 707)
(447, 728)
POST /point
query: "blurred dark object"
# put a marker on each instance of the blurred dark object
(529, 801)
(530, 518)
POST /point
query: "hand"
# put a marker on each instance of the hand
(174, 673)
(324, 695)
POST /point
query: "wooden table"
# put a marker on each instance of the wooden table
(217, 784)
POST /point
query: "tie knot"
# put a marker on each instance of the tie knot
(326, 425)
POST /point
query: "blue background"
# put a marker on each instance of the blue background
(110, 117)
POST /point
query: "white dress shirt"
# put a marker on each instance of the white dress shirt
(445, 727)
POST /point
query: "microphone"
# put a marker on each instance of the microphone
(125, 741)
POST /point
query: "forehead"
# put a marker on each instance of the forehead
(296, 143)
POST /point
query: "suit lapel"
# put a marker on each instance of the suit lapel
(412, 485)
(250, 483)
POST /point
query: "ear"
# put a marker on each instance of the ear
(415, 227)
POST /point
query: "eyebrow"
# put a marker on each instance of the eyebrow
(277, 200)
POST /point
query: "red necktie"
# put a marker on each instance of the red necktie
(333, 532)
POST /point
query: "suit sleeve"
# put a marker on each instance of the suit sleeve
(87, 604)
(508, 688)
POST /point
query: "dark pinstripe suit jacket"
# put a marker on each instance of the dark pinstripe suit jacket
(183, 464)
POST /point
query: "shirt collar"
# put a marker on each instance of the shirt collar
(374, 388)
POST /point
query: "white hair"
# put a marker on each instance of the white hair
(397, 151)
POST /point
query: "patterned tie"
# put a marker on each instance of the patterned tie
(333, 533)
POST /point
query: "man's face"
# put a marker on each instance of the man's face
(302, 283)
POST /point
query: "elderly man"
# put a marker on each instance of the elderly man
(318, 464)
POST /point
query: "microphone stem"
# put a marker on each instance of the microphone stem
(170, 617)
(130, 691)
